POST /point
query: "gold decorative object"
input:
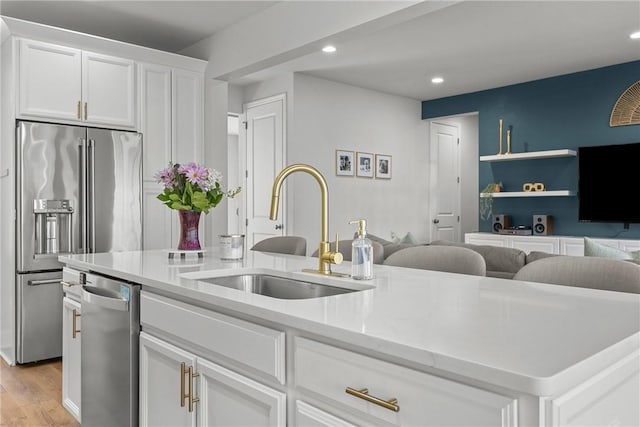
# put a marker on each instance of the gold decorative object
(626, 110)
(533, 186)
(500, 143)
(508, 141)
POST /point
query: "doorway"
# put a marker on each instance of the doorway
(453, 189)
(264, 148)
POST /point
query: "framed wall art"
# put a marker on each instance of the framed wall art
(364, 165)
(344, 163)
(383, 166)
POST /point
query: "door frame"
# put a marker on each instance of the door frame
(469, 134)
(244, 153)
(459, 187)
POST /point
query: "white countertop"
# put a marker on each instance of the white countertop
(529, 337)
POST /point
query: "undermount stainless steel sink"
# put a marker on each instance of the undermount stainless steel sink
(277, 287)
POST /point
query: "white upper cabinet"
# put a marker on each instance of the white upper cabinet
(57, 82)
(108, 90)
(50, 79)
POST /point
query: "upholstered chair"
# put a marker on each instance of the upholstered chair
(344, 247)
(585, 272)
(290, 245)
(452, 259)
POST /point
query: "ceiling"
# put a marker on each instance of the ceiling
(474, 45)
(163, 24)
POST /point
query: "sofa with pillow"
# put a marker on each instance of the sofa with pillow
(501, 262)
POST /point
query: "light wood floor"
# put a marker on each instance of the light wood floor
(31, 395)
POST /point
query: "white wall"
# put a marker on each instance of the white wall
(8, 56)
(330, 116)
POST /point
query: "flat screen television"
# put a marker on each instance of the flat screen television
(609, 183)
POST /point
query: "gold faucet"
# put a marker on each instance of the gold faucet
(325, 256)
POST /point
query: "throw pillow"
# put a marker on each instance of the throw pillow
(593, 248)
(408, 238)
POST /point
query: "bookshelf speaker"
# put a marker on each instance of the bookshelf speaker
(500, 222)
(542, 225)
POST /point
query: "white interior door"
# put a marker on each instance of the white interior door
(265, 151)
(444, 182)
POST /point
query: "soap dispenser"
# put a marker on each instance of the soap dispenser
(361, 253)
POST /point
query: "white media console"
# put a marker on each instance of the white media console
(562, 245)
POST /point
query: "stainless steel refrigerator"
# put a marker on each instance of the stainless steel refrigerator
(79, 190)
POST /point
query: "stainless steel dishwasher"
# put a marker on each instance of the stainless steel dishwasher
(110, 332)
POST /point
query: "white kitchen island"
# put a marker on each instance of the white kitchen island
(431, 348)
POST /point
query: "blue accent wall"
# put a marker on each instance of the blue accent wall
(567, 111)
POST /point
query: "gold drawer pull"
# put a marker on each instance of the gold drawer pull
(192, 399)
(183, 372)
(74, 326)
(390, 404)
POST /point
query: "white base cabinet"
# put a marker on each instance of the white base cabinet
(559, 245)
(71, 344)
(180, 388)
(234, 372)
(382, 393)
(602, 400)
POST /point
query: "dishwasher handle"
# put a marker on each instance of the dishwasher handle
(105, 298)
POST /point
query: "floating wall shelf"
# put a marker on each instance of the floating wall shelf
(557, 193)
(529, 155)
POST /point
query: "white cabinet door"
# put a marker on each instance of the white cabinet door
(171, 119)
(188, 113)
(50, 81)
(155, 123)
(108, 90)
(536, 243)
(610, 398)
(310, 416)
(228, 398)
(71, 356)
(486, 239)
(163, 384)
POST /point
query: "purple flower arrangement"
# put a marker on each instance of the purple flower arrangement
(191, 187)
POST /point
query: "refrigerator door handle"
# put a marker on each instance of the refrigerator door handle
(91, 157)
(42, 282)
(82, 196)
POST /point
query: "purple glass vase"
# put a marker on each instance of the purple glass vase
(189, 221)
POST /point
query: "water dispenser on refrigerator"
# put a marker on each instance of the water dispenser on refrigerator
(53, 227)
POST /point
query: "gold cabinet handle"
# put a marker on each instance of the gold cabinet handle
(363, 393)
(79, 110)
(183, 372)
(192, 399)
(74, 326)
(85, 111)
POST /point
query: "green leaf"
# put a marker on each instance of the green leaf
(180, 206)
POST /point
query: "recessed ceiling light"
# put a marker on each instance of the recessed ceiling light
(635, 35)
(329, 49)
(437, 80)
